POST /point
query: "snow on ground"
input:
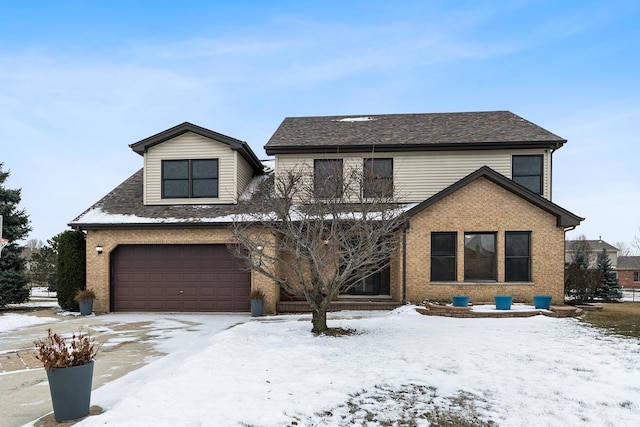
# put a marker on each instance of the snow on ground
(12, 321)
(400, 366)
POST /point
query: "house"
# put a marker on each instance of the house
(476, 188)
(628, 270)
(481, 219)
(593, 248)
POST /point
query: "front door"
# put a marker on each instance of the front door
(376, 284)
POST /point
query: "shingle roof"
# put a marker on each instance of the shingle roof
(123, 208)
(594, 245)
(395, 132)
(564, 218)
(628, 263)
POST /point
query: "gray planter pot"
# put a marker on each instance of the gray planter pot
(257, 307)
(71, 391)
(86, 306)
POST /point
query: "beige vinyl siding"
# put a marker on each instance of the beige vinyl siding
(244, 172)
(189, 146)
(419, 175)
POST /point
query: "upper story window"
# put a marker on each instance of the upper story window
(480, 257)
(527, 171)
(184, 179)
(636, 276)
(327, 178)
(517, 256)
(377, 178)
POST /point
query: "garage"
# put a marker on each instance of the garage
(196, 278)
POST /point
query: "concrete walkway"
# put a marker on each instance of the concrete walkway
(129, 342)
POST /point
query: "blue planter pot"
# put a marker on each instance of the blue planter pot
(460, 301)
(542, 301)
(503, 302)
(71, 391)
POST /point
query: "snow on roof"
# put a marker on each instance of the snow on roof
(98, 216)
(355, 119)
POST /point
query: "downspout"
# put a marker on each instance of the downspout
(404, 264)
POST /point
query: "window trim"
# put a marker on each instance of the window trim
(541, 176)
(368, 179)
(190, 179)
(508, 257)
(454, 256)
(494, 279)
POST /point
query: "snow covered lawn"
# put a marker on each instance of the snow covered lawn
(401, 368)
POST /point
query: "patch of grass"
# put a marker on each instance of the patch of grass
(622, 319)
(409, 405)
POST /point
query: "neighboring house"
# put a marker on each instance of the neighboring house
(593, 248)
(628, 270)
(476, 188)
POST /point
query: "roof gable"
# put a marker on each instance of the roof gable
(564, 217)
(242, 147)
(409, 132)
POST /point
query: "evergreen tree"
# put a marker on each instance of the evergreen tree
(15, 227)
(581, 282)
(71, 268)
(609, 289)
(44, 263)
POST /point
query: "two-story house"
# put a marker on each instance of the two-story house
(593, 250)
(476, 188)
(478, 191)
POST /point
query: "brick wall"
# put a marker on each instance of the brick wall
(98, 265)
(483, 206)
(625, 278)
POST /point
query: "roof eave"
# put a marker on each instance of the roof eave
(147, 225)
(460, 146)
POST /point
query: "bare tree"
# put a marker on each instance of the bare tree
(318, 236)
(624, 249)
(636, 242)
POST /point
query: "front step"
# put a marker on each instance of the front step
(303, 306)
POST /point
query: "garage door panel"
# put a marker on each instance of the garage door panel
(178, 278)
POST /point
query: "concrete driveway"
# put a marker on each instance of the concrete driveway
(129, 341)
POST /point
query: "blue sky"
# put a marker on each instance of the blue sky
(81, 80)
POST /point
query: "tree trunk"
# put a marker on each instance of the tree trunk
(319, 321)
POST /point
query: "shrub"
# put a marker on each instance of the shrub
(84, 294)
(256, 294)
(54, 352)
(71, 268)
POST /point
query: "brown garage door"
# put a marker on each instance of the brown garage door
(178, 278)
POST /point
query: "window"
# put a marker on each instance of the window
(480, 256)
(443, 256)
(527, 171)
(327, 178)
(377, 178)
(517, 256)
(636, 276)
(183, 179)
